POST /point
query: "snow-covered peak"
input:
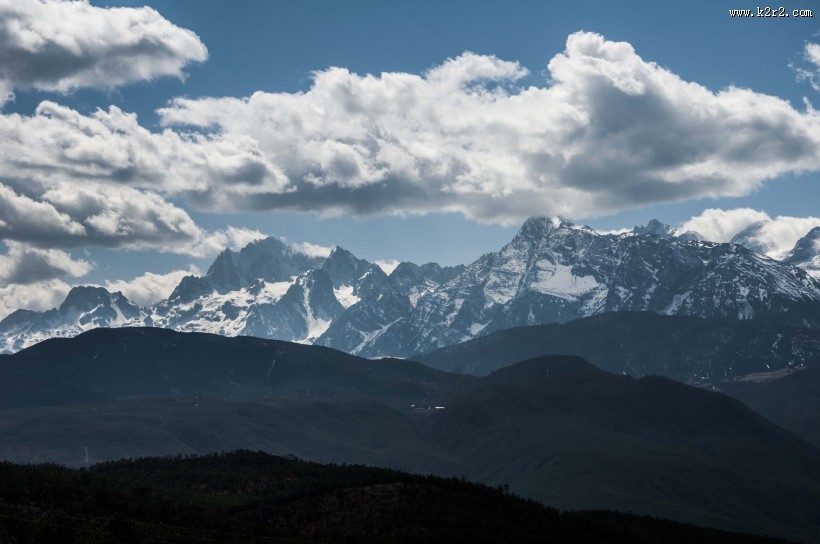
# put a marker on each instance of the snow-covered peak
(269, 259)
(655, 228)
(806, 253)
(344, 268)
(84, 308)
(692, 236)
(88, 303)
(806, 248)
(750, 238)
(84, 298)
(535, 228)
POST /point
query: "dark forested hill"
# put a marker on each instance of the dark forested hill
(253, 497)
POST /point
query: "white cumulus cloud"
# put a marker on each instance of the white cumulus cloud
(610, 131)
(772, 236)
(38, 296)
(234, 238)
(59, 45)
(388, 265)
(811, 70)
(717, 225)
(150, 288)
(72, 214)
(312, 250)
(27, 265)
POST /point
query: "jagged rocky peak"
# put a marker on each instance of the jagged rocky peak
(438, 273)
(750, 239)
(547, 237)
(269, 259)
(190, 288)
(538, 227)
(806, 248)
(408, 275)
(407, 272)
(344, 268)
(313, 294)
(85, 298)
(370, 281)
(314, 286)
(19, 317)
(224, 272)
(96, 306)
(655, 228)
(692, 236)
(404, 268)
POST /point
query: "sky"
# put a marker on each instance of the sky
(139, 140)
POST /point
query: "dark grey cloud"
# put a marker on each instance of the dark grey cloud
(78, 214)
(27, 265)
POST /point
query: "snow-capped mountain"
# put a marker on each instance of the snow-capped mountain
(381, 309)
(553, 270)
(268, 290)
(806, 253)
(656, 228)
(750, 238)
(84, 308)
(269, 260)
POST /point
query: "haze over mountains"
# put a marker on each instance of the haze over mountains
(552, 271)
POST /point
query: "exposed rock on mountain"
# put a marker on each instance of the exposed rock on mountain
(806, 253)
(552, 271)
(555, 271)
(655, 228)
(84, 308)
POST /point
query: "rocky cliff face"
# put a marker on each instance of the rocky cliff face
(806, 253)
(555, 271)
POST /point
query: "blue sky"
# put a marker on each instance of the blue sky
(275, 47)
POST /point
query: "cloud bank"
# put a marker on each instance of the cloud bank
(150, 288)
(70, 214)
(609, 132)
(23, 264)
(312, 250)
(39, 296)
(772, 236)
(58, 45)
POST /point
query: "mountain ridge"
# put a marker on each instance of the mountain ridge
(551, 271)
(687, 349)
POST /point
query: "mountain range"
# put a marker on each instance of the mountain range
(552, 271)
